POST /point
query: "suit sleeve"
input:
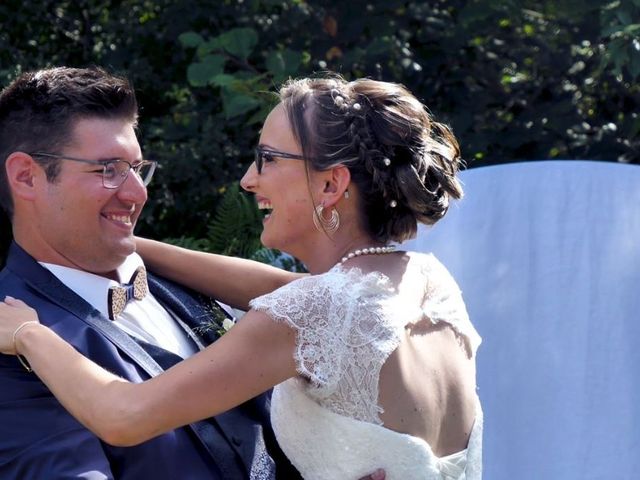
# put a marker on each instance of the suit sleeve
(38, 438)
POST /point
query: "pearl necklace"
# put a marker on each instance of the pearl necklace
(367, 251)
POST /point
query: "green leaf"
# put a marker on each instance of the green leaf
(191, 243)
(201, 73)
(235, 103)
(190, 39)
(610, 30)
(283, 63)
(236, 227)
(207, 47)
(634, 63)
(223, 80)
(239, 41)
(632, 29)
(258, 116)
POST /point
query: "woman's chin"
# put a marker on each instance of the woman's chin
(266, 241)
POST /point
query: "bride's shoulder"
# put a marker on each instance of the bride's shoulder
(319, 286)
(428, 265)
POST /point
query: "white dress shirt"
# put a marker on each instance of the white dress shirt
(144, 319)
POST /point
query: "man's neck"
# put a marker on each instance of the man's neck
(51, 256)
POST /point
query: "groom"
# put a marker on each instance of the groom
(73, 182)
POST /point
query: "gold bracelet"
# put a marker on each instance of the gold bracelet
(22, 360)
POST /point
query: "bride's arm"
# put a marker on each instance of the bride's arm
(253, 356)
(232, 280)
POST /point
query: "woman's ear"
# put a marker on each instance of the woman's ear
(21, 171)
(336, 183)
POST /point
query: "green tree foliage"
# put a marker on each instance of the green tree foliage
(516, 79)
(234, 230)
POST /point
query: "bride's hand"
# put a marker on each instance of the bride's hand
(13, 314)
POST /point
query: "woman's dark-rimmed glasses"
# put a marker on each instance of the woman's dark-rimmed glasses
(263, 155)
(114, 171)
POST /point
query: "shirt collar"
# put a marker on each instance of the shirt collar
(91, 287)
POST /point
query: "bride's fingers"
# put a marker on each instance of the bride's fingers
(14, 302)
(13, 312)
(9, 300)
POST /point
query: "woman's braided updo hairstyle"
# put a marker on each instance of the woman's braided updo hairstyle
(402, 162)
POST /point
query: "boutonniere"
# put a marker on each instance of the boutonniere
(227, 323)
(216, 320)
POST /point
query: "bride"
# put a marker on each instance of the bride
(372, 355)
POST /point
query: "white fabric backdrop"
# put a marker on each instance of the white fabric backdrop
(547, 255)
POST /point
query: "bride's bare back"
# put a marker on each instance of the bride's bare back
(427, 386)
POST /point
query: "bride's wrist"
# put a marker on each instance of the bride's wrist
(20, 340)
(19, 331)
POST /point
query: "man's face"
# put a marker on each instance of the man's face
(80, 223)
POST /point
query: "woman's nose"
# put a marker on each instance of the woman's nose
(250, 177)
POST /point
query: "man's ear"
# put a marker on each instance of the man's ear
(336, 182)
(22, 171)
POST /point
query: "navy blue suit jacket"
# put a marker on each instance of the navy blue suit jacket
(40, 440)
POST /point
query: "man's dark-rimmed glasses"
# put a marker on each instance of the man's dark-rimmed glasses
(114, 170)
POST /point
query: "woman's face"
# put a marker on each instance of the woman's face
(283, 189)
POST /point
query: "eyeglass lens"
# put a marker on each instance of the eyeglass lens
(116, 172)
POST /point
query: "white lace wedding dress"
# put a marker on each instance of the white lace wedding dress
(327, 420)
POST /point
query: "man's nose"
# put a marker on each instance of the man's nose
(133, 189)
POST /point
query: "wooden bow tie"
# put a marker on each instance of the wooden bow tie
(119, 295)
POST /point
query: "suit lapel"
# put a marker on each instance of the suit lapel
(198, 315)
(48, 285)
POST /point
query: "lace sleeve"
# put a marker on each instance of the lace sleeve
(307, 305)
(443, 303)
(343, 335)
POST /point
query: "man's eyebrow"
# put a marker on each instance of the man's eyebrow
(109, 159)
(120, 159)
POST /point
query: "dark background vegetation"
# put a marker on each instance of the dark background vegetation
(517, 80)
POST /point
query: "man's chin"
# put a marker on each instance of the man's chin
(125, 251)
(107, 267)
(118, 253)
(123, 242)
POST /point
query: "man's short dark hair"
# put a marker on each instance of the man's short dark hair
(39, 110)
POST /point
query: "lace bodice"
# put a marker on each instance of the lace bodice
(349, 323)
